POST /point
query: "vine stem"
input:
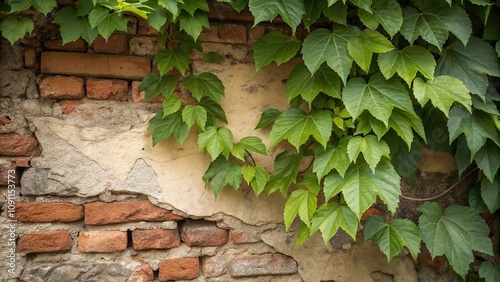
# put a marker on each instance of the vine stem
(442, 194)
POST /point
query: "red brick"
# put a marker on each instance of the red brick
(266, 264)
(112, 66)
(439, 264)
(225, 33)
(117, 43)
(23, 162)
(68, 106)
(214, 266)
(43, 242)
(99, 213)
(4, 120)
(369, 212)
(144, 46)
(141, 273)
(18, 145)
(107, 89)
(180, 268)
(102, 241)
(61, 87)
(29, 57)
(224, 12)
(48, 212)
(31, 40)
(78, 45)
(155, 239)
(201, 233)
(145, 29)
(243, 237)
(138, 96)
(255, 33)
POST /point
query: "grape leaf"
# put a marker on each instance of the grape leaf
(286, 166)
(407, 62)
(490, 193)
(384, 12)
(455, 233)
(334, 157)
(207, 83)
(404, 123)
(216, 141)
(378, 96)
(214, 110)
(362, 48)
(322, 46)
(332, 216)
(488, 159)
(192, 114)
(360, 186)
(308, 86)
(222, 172)
(193, 24)
(73, 27)
(301, 202)
(489, 271)
(392, 237)
(296, 126)
(14, 29)
(266, 10)
(105, 22)
(249, 143)
(164, 127)
(171, 105)
(442, 91)
(373, 150)
(168, 59)
(155, 85)
(274, 46)
(267, 117)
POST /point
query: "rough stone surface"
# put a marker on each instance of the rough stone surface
(48, 212)
(17, 84)
(155, 239)
(341, 239)
(116, 44)
(107, 89)
(18, 145)
(12, 55)
(62, 87)
(68, 106)
(144, 46)
(42, 242)
(214, 266)
(180, 268)
(243, 237)
(141, 273)
(102, 241)
(99, 213)
(145, 29)
(267, 264)
(70, 272)
(201, 233)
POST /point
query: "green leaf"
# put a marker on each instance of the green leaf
(302, 83)
(476, 201)
(367, 123)
(44, 6)
(193, 24)
(155, 85)
(171, 105)
(363, 4)
(476, 127)
(489, 271)
(205, 83)
(212, 57)
(216, 141)
(157, 18)
(286, 166)
(213, 109)
(407, 62)
(455, 233)
(14, 29)
(260, 180)
(192, 114)
(492, 26)
(362, 48)
(266, 10)
(490, 192)
(296, 126)
(105, 22)
(222, 172)
(313, 9)
(171, 6)
(434, 22)
(360, 186)
(268, 117)
(337, 13)
(442, 91)
(248, 172)
(334, 157)
(488, 159)
(378, 96)
(168, 59)
(248, 143)
(404, 123)
(497, 48)
(83, 8)
(392, 237)
(373, 150)
(436, 129)
(303, 234)
(332, 216)
(274, 46)
(301, 202)
(322, 46)
(470, 64)
(192, 5)
(164, 127)
(73, 27)
(405, 161)
(384, 12)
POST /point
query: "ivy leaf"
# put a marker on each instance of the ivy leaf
(378, 96)
(157, 18)
(337, 13)
(260, 180)
(83, 8)
(434, 23)
(164, 127)
(302, 83)
(301, 202)
(362, 48)
(313, 9)
(303, 234)
(334, 157)
(214, 110)
(332, 216)
(488, 159)
(274, 46)
(392, 237)
(404, 123)
(266, 10)
(168, 59)
(476, 201)
(44, 6)
(442, 91)
(490, 192)
(360, 186)
(296, 126)
(476, 127)
(249, 143)
(470, 64)
(171, 105)
(384, 12)
(363, 4)
(405, 160)
(497, 48)
(367, 123)
(212, 57)
(193, 24)
(207, 83)
(155, 85)
(222, 172)
(489, 271)
(248, 172)
(286, 167)
(268, 117)
(171, 6)
(192, 5)
(105, 22)
(73, 27)
(455, 233)
(14, 29)
(322, 46)
(192, 114)
(407, 62)
(373, 149)
(216, 141)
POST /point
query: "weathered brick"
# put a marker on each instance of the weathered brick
(68, 106)
(224, 12)
(266, 264)
(141, 273)
(131, 25)
(117, 43)
(214, 266)
(225, 33)
(144, 46)
(255, 33)
(23, 162)
(4, 175)
(144, 28)
(43, 242)
(180, 268)
(78, 45)
(138, 96)
(18, 145)
(29, 57)
(102, 241)
(155, 239)
(201, 233)
(243, 237)
(62, 87)
(99, 213)
(31, 40)
(113, 66)
(107, 89)
(48, 212)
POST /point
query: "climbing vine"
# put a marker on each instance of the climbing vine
(376, 79)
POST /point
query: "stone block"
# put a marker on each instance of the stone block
(266, 264)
